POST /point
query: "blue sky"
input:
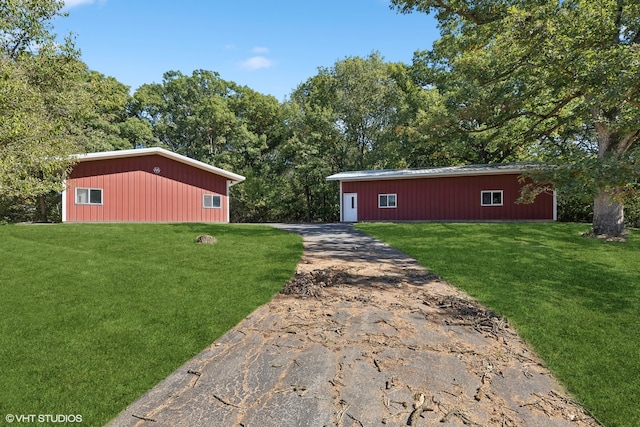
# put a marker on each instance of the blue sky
(270, 46)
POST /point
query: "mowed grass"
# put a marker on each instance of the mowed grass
(92, 316)
(576, 300)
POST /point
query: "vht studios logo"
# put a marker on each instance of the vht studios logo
(43, 418)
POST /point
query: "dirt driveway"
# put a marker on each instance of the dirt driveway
(364, 337)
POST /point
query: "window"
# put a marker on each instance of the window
(88, 196)
(491, 198)
(211, 201)
(386, 200)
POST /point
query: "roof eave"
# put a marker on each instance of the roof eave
(355, 176)
(234, 178)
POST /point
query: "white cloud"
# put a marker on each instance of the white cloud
(260, 49)
(256, 63)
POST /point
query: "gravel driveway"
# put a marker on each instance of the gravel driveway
(364, 336)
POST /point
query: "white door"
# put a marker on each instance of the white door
(350, 207)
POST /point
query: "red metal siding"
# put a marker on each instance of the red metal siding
(447, 199)
(132, 192)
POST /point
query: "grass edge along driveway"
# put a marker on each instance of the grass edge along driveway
(93, 315)
(576, 300)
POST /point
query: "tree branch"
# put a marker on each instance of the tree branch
(633, 102)
(466, 14)
(626, 143)
(618, 24)
(443, 6)
(554, 112)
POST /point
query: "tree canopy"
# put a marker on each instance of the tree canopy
(508, 80)
(207, 118)
(550, 74)
(35, 100)
(51, 106)
(357, 114)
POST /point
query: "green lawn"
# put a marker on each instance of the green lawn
(575, 299)
(92, 316)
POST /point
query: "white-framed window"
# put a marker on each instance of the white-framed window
(211, 201)
(491, 198)
(387, 201)
(88, 196)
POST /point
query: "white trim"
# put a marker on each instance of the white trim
(229, 184)
(395, 200)
(482, 192)
(467, 170)
(64, 201)
(235, 178)
(341, 212)
(555, 205)
(204, 204)
(89, 190)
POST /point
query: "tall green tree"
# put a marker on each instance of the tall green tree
(52, 106)
(551, 71)
(32, 142)
(313, 152)
(460, 123)
(264, 196)
(353, 115)
(219, 122)
(26, 25)
(36, 100)
(108, 124)
(192, 115)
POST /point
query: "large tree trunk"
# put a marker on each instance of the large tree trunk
(608, 215)
(307, 194)
(42, 208)
(608, 212)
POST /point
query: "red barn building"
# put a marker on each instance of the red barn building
(457, 193)
(146, 185)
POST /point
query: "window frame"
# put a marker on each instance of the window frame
(492, 194)
(89, 191)
(386, 196)
(213, 197)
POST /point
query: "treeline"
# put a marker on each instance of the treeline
(504, 83)
(361, 113)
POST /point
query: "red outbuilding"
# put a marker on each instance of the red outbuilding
(146, 185)
(457, 193)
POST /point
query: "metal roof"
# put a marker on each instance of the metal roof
(433, 172)
(235, 178)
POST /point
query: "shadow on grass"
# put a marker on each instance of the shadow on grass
(552, 259)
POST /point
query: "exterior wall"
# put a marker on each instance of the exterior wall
(132, 192)
(447, 199)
